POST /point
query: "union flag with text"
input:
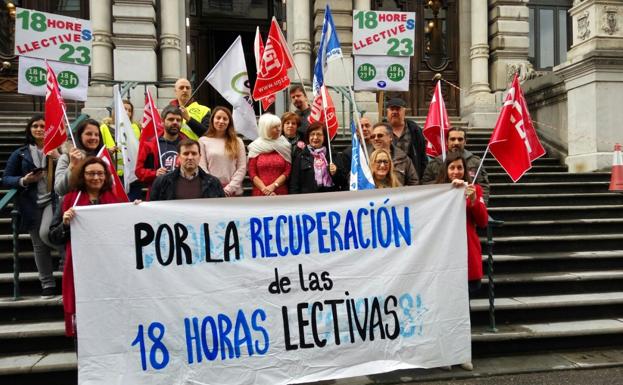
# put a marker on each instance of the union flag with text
(55, 131)
(318, 108)
(514, 142)
(273, 71)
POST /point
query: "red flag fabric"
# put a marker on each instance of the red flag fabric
(436, 121)
(273, 74)
(318, 112)
(117, 185)
(55, 132)
(258, 50)
(289, 60)
(514, 142)
(152, 126)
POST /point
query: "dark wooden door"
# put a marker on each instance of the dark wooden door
(437, 51)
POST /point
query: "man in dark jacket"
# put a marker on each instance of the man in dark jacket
(456, 143)
(188, 181)
(407, 134)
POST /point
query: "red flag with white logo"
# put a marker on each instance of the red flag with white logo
(152, 127)
(273, 73)
(319, 109)
(55, 130)
(437, 125)
(258, 50)
(514, 142)
(117, 185)
(289, 60)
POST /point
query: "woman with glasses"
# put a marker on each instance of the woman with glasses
(92, 185)
(27, 170)
(382, 169)
(312, 169)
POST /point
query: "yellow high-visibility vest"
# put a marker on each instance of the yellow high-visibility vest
(197, 112)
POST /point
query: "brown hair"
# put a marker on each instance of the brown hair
(391, 176)
(442, 177)
(78, 182)
(315, 127)
(187, 142)
(290, 116)
(231, 139)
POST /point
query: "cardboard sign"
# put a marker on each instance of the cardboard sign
(257, 290)
(73, 80)
(382, 73)
(54, 37)
(383, 33)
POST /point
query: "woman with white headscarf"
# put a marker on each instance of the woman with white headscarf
(269, 158)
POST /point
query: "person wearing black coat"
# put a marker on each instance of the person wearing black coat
(312, 170)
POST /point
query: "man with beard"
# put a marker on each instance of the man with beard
(456, 143)
(403, 167)
(188, 181)
(407, 135)
(196, 116)
(146, 170)
(366, 128)
(303, 109)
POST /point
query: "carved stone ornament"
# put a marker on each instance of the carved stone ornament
(610, 21)
(526, 71)
(583, 30)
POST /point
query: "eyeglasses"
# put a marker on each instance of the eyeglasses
(37, 126)
(93, 174)
(382, 161)
(377, 136)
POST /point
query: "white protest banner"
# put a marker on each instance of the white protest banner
(73, 80)
(382, 73)
(383, 33)
(271, 291)
(53, 37)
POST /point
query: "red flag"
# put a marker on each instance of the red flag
(117, 185)
(436, 121)
(273, 74)
(258, 50)
(514, 142)
(318, 112)
(289, 60)
(152, 126)
(55, 132)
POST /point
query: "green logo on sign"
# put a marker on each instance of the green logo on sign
(36, 76)
(396, 72)
(366, 72)
(68, 79)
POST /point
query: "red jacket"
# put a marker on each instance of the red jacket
(477, 216)
(69, 294)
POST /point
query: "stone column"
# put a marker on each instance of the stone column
(479, 51)
(299, 32)
(101, 64)
(170, 41)
(509, 41)
(593, 76)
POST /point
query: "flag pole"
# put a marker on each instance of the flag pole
(482, 161)
(441, 123)
(354, 104)
(151, 103)
(71, 133)
(194, 92)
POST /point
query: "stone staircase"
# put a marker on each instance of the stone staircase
(558, 271)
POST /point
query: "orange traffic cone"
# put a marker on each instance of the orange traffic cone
(616, 180)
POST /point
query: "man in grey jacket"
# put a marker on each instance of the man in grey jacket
(456, 143)
(403, 166)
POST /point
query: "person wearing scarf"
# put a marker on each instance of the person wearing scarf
(311, 169)
(269, 158)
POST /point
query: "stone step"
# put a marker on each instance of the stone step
(30, 308)
(554, 262)
(539, 213)
(545, 243)
(531, 200)
(560, 227)
(25, 337)
(549, 177)
(46, 367)
(550, 187)
(29, 284)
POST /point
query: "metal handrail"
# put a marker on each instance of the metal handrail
(10, 197)
(491, 292)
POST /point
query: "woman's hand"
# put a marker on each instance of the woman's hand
(32, 177)
(470, 192)
(137, 202)
(68, 216)
(75, 157)
(332, 169)
(458, 183)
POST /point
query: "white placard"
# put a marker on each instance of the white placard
(73, 80)
(265, 290)
(53, 37)
(382, 73)
(383, 33)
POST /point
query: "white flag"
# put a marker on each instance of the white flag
(126, 140)
(229, 77)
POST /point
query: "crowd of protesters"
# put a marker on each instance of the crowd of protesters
(199, 155)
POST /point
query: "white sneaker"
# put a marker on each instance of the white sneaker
(467, 366)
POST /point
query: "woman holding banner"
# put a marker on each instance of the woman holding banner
(270, 158)
(382, 169)
(454, 171)
(92, 185)
(89, 142)
(312, 170)
(222, 152)
(27, 171)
